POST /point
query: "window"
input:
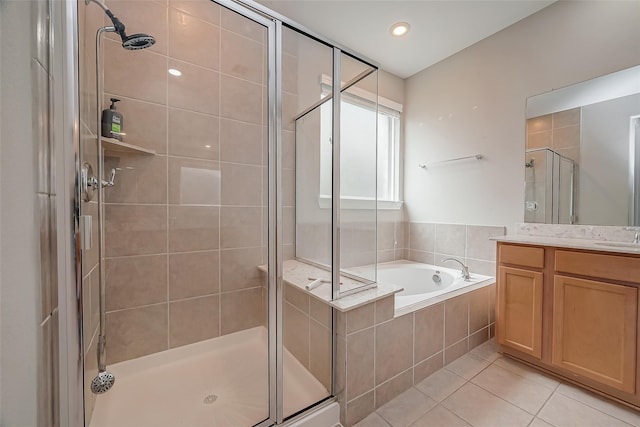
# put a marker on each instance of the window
(358, 137)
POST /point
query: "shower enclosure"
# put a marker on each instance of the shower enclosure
(236, 141)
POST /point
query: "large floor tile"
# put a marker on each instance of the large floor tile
(373, 420)
(406, 408)
(601, 403)
(526, 371)
(513, 388)
(562, 411)
(537, 422)
(468, 366)
(487, 351)
(440, 417)
(480, 408)
(441, 384)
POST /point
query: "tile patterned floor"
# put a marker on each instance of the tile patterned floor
(483, 388)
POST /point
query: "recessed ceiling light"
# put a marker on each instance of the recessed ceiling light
(399, 29)
(175, 72)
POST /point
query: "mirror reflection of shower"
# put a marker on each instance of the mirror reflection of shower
(549, 187)
(105, 379)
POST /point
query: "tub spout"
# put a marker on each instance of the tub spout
(464, 271)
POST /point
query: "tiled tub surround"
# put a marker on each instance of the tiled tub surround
(185, 229)
(379, 356)
(429, 243)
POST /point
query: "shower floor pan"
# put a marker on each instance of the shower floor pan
(221, 382)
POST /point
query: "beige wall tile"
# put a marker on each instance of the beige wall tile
(135, 281)
(450, 239)
(320, 353)
(360, 363)
(197, 89)
(241, 142)
(288, 187)
(456, 351)
(320, 311)
(429, 335)
(193, 134)
(478, 338)
(478, 309)
(296, 333)
(139, 179)
(487, 268)
(359, 408)
(239, 268)
(538, 124)
(241, 185)
(385, 392)
(539, 140)
(142, 17)
(193, 320)
(422, 236)
(241, 100)
(193, 274)
(136, 332)
(203, 9)
(289, 225)
(385, 309)
(566, 118)
(386, 235)
(566, 137)
(240, 310)
(478, 244)
(240, 227)
(135, 74)
(242, 57)
(360, 318)
(194, 182)
(420, 256)
(144, 123)
(289, 72)
(427, 367)
(394, 347)
(456, 319)
(241, 25)
(193, 40)
(297, 298)
(135, 230)
(193, 228)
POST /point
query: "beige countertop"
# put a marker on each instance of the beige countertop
(564, 242)
(297, 274)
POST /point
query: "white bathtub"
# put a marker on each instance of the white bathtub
(420, 288)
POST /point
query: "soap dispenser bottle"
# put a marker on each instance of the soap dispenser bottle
(112, 122)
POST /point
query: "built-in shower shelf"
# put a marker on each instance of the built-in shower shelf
(113, 145)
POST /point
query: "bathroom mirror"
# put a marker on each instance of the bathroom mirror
(582, 153)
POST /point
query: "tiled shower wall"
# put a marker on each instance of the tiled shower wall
(184, 228)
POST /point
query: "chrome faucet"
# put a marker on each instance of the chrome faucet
(636, 238)
(465, 270)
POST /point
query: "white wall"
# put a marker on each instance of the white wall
(474, 102)
(19, 244)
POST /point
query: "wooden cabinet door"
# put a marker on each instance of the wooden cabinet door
(594, 330)
(519, 313)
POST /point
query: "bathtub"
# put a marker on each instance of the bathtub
(421, 286)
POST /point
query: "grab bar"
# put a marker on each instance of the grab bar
(427, 165)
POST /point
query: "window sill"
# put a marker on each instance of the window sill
(354, 203)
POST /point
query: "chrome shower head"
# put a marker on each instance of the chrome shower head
(102, 382)
(138, 41)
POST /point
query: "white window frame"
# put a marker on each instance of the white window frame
(385, 107)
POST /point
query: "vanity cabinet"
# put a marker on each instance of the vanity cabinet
(573, 313)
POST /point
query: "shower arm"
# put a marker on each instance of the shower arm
(102, 364)
(118, 26)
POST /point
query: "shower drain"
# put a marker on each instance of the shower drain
(209, 399)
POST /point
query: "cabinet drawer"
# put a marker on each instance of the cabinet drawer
(526, 256)
(612, 267)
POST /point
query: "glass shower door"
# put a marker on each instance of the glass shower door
(186, 225)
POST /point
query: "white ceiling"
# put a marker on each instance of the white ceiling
(438, 28)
